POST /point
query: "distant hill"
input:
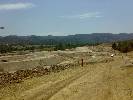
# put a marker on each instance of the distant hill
(78, 38)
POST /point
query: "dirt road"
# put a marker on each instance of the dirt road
(102, 81)
(105, 82)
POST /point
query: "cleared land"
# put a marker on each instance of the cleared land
(101, 78)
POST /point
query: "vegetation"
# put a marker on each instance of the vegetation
(72, 39)
(58, 46)
(123, 46)
(49, 43)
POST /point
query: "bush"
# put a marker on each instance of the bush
(123, 46)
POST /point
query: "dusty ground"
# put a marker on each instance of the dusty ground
(109, 80)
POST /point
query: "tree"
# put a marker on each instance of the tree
(114, 46)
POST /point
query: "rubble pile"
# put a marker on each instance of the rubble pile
(20, 75)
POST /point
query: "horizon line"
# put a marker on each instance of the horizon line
(68, 35)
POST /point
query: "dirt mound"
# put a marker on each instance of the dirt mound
(83, 49)
(20, 75)
(30, 63)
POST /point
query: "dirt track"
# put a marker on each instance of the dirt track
(103, 81)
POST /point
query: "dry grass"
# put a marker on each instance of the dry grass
(103, 78)
(14, 90)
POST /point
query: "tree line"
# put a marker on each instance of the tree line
(9, 48)
(123, 46)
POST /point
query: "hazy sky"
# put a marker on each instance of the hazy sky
(64, 17)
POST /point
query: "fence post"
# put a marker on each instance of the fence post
(82, 62)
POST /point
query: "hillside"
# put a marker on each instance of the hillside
(78, 38)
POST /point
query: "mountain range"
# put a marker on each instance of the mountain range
(77, 38)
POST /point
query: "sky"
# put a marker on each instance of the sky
(65, 17)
